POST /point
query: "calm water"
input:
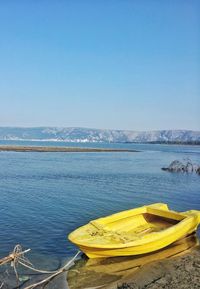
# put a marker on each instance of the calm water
(44, 196)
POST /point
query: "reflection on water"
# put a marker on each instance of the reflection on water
(101, 273)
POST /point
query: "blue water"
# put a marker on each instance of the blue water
(44, 196)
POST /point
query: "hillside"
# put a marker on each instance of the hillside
(73, 134)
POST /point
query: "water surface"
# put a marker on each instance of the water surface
(44, 196)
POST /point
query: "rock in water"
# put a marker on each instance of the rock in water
(177, 166)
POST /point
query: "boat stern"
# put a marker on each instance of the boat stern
(195, 214)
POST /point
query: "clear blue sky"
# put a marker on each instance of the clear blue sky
(105, 64)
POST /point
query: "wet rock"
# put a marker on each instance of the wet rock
(184, 167)
(181, 272)
(128, 286)
(198, 171)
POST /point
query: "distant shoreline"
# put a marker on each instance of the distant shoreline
(175, 142)
(194, 143)
(59, 149)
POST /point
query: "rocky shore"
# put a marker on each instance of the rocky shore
(182, 272)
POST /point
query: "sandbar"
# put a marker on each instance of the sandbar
(20, 148)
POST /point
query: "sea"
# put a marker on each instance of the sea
(46, 195)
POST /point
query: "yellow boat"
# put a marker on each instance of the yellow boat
(133, 232)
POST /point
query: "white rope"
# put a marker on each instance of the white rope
(48, 272)
(36, 270)
(17, 257)
(53, 275)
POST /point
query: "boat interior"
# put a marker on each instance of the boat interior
(129, 228)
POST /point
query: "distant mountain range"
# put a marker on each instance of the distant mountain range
(74, 134)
